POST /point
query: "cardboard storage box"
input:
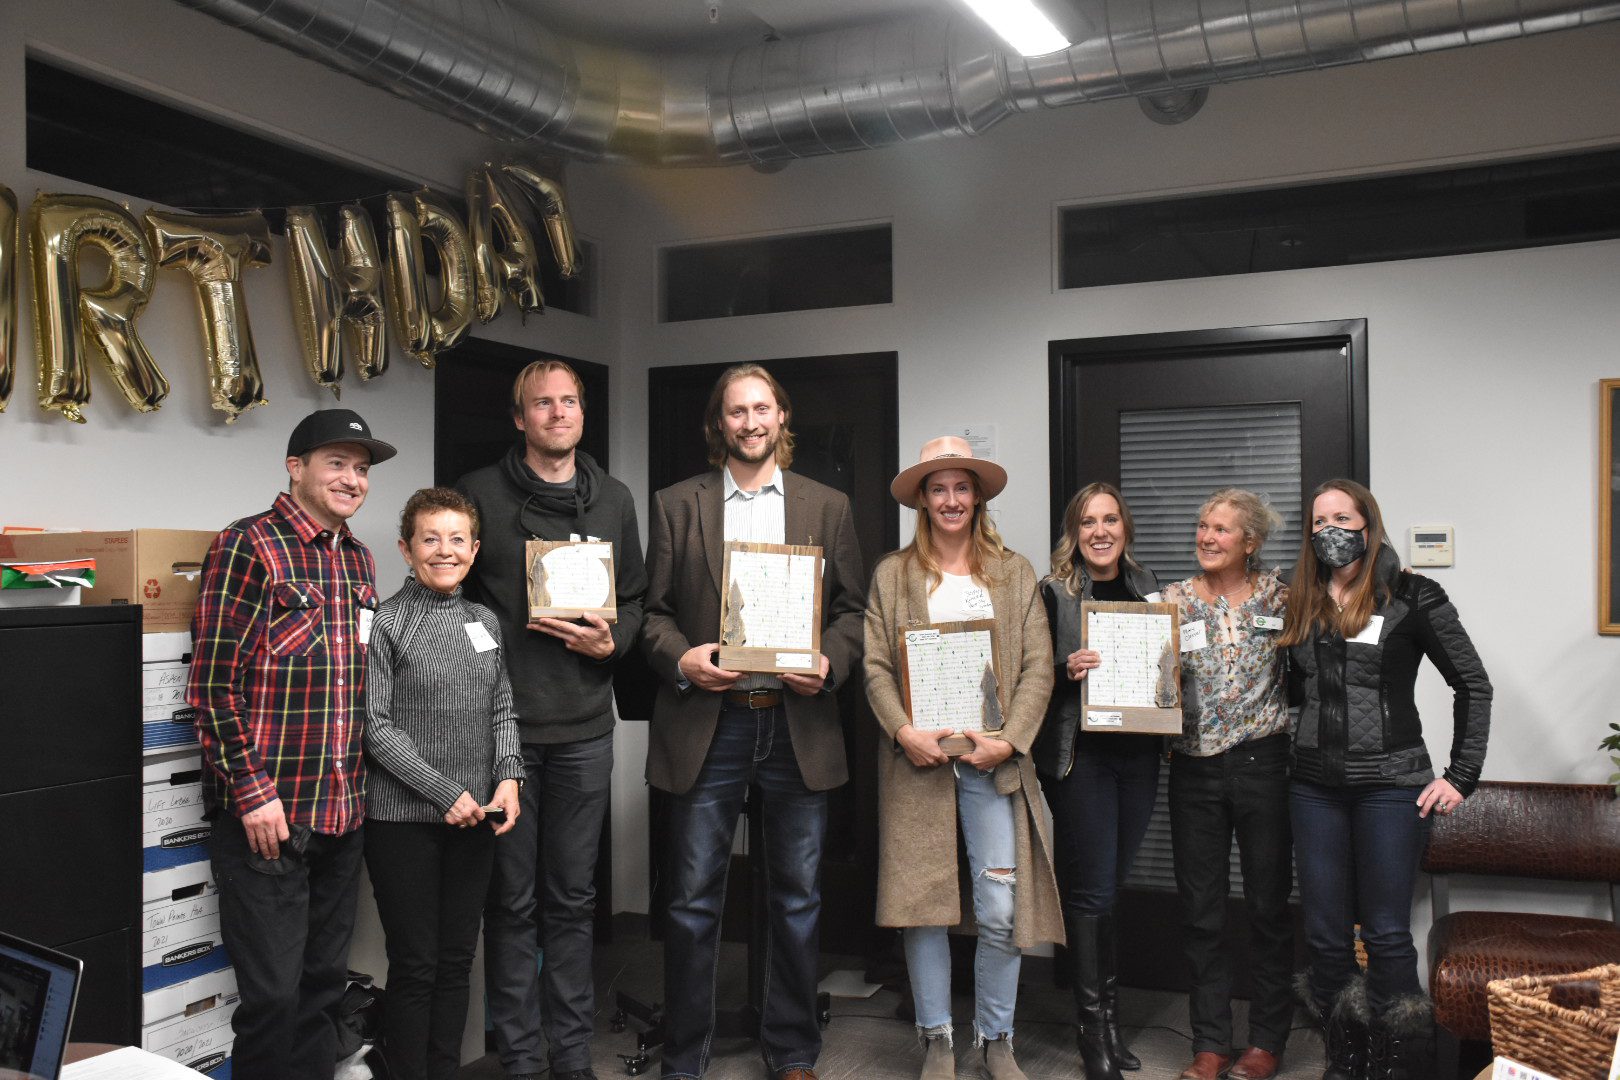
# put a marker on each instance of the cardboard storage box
(167, 721)
(184, 951)
(157, 568)
(173, 831)
(190, 997)
(201, 1040)
(176, 883)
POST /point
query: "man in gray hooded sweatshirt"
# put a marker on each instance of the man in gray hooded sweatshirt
(562, 685)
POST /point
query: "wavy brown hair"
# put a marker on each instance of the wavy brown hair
(1311, 607)
(1068, 564)
(714, 428)
(984, 547)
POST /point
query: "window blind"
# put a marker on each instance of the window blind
(1170, 462)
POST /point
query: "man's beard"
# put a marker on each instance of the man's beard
(734, 448)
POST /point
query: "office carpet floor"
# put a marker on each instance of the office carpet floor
(866, 1041)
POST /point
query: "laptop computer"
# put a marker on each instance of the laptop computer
(38, 990)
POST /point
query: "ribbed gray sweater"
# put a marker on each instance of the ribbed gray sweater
(439, 718)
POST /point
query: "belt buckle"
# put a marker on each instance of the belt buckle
(764, 695)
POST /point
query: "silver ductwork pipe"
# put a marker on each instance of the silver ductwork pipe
(493, 64)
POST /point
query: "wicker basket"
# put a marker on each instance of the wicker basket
(1571, 1043)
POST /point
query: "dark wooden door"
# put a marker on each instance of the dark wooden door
(845, 414)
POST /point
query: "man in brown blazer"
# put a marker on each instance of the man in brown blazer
(714, 731)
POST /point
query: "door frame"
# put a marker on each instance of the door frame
(1065, 358)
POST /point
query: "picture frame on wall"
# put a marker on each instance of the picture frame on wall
(1609, 471)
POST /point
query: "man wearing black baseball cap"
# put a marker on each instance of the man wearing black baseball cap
(278, 668)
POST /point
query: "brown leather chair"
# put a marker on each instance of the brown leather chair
(1549, 832)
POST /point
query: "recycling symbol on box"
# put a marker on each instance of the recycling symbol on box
(153, 590)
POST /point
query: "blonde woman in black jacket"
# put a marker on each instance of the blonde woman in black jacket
(1100, 787)
(1363, 786)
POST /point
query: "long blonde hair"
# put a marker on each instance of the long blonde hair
(985, 547)
(1311, 608)
(1068, 565)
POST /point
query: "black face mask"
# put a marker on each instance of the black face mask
(1338, 547)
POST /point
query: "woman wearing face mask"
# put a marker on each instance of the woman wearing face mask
(1363, 785)
(1100, 787)
(1229, 776)
(956, 570)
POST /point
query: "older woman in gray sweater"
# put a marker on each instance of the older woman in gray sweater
(445, 766)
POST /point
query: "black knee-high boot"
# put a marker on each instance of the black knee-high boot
(1085, 955)
(1347, 1037)
(1402, 1040)
(1106, 949)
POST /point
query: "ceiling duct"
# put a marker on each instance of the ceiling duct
(493, 64)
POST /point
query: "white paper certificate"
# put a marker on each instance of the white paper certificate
(577, 576)
(946, 678)
(1132, 646)
(774, 594)
(569, 578)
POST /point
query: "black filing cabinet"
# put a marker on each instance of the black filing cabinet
(70, 786)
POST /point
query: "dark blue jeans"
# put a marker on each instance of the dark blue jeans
(1243, 792)
(286, 925)
(750, 746)
(1100, 813)
(1358, 850)
(545, 877)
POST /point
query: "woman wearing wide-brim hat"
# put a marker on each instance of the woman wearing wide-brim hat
(957, 569)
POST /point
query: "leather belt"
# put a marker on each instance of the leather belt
(753, 699)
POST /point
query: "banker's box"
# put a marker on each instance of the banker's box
(157, 568)
(201, 1040)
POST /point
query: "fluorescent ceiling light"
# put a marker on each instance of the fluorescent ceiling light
(1020, 24)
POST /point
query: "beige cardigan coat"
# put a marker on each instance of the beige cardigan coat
(918, 878)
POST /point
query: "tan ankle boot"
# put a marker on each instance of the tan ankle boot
(999, 1063)
(939, 1060)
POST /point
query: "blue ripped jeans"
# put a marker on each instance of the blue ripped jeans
(988, 827)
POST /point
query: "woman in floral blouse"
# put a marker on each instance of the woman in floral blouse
(1229, 775)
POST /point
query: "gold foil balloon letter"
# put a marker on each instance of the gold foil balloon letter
(317, 297)
(503, 248)
(71, 320)
(215, 251)
(425, 329)
(8, 293)
(548, 198)
(360, 270)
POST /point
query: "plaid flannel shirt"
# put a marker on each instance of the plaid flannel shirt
(278, 669)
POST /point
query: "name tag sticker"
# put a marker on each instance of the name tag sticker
(975, 599)
(1369, 635)
(1105, 719)
(1268, 622)
(793, 660)
(480, 638)
(366, 615)
(1152, 598)
(1193, 636)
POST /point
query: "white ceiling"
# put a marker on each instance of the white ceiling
(686, 24)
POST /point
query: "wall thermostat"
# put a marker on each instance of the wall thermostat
(1432, 545)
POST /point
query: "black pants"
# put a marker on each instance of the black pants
(430, 882)
(545, 875)
(1244, 792)
(1100, 814)
(287, 925)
